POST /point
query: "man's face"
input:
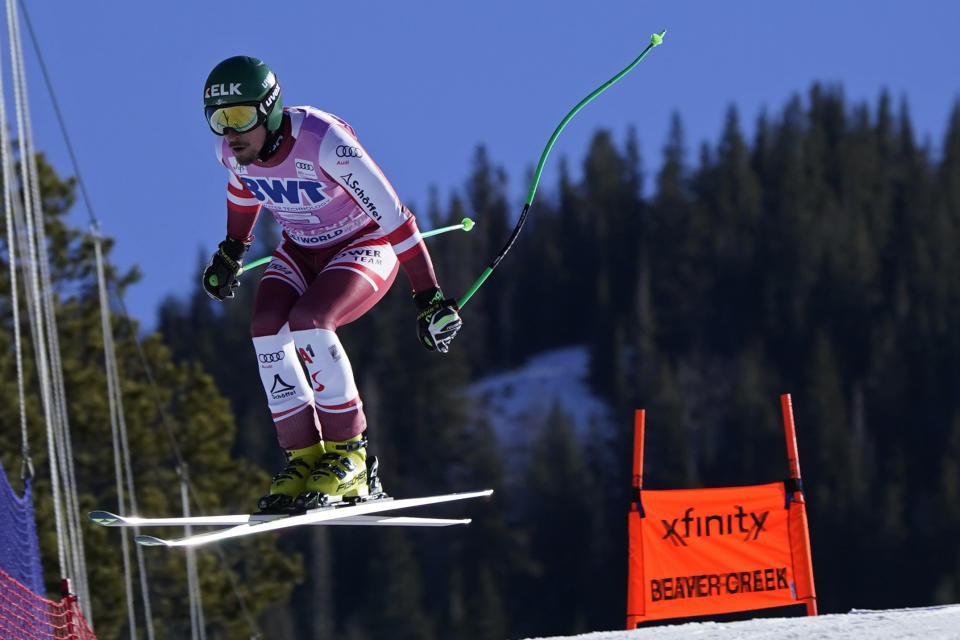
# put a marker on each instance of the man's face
(246, 146)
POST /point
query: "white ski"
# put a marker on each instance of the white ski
(108, 519)
(244, 525)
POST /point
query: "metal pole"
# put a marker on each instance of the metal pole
(197, 631)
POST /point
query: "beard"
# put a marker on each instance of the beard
(245, 156)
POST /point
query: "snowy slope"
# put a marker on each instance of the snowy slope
(518, 399)
(930, 623)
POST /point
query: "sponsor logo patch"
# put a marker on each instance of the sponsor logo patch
(228, 89)
(747, 525)
(344, 151)
(281, 389)
(361, 195)
(285, 190)
(305, 168)
(303, 239)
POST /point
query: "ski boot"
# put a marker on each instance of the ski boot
(289, 483)
(342, 473)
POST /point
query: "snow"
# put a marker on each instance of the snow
(928, 623)
(514, 400)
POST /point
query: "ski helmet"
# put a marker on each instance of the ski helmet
(241, 93)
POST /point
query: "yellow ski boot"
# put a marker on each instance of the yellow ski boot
(291, 482)
(340, 473)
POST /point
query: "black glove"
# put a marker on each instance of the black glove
(220, 276)
(437, 319)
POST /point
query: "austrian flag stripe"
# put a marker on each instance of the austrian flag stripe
(350, 405)
(406, 240)
(239, 198)
(289, 412)
(283, 267)
(370, 258)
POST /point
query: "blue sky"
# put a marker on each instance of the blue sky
(424, 82)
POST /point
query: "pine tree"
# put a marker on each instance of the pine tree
(676, 283)
(487, 196)
(561, 482)
(396, 593)
(613, 210)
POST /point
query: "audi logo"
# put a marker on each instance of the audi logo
(343, 151)
(267, 358)
(306, 166)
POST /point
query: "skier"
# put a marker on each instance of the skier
(345, 233)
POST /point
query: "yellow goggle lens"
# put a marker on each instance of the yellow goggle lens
(240, 118)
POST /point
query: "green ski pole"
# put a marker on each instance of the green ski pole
(466, 224)
(655, 40)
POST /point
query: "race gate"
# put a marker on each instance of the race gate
(702, 552)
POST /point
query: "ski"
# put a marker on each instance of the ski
(108, 519)
(244, 525)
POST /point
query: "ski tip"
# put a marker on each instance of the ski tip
(105, 518)
(151, 541)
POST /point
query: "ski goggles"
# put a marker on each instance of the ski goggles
(239, 117)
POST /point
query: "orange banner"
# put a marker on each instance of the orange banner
(707, 551)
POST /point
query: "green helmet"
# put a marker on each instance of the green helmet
(242, 80)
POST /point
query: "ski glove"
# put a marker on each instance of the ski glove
(220, 276)
(437, 319)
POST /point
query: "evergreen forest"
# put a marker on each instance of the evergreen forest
(814, 256)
